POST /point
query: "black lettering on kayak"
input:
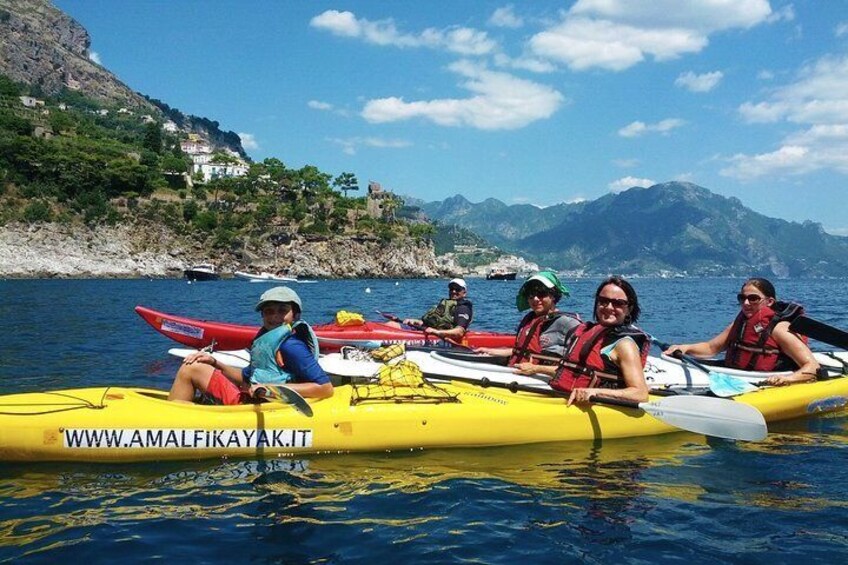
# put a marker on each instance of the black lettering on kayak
(171, 440)
(262, 439)
(154, 438)
(217, 438)
(234, 439)
(278, 439)
(248, 437)
(198, 437)
(136, 440)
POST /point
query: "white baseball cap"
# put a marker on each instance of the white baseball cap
(458, 282)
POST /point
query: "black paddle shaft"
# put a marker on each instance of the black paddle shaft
(820, 331)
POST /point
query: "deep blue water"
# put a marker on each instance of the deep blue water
(680, 497)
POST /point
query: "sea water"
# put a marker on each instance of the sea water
(679, 497)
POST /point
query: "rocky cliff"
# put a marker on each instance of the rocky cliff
(125, 251)
(44, 47)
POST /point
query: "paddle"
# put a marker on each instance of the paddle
(819, 331)
(698, 414)
(721, 384)
(282, 393)
(393, 318)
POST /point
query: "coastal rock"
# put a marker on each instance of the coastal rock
(129, 251)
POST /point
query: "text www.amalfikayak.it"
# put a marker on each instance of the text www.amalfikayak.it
(186, 439)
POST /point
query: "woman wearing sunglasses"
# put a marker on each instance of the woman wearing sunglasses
(759, 338)
(541, 334)
(606, 357)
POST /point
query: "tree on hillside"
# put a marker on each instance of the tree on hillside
(346, 182)
(153, 137)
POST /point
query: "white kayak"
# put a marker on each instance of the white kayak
(660, 372)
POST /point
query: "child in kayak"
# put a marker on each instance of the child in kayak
(759, 338)
(285, 351)
(541, 334)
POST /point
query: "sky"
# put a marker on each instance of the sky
(528, 102)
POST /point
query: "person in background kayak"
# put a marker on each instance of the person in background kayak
(606, 357)
(450, 318)
(759, 338)
(542, 332)
(285, 351)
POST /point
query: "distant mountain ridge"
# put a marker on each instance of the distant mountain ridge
(674, 227)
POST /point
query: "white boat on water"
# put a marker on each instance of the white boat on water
(203, 272)
(265, 277)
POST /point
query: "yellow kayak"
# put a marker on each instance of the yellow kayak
(117, 424)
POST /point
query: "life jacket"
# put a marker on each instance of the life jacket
(268, 364)
(530, 341)
(583, 366)
(752, 347)
(440, 316)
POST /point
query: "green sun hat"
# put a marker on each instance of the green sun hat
(548, 279)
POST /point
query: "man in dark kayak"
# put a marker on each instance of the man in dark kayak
(285, 351)
(450, 318)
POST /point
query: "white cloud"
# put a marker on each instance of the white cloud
(624, 183)
(818, 99)
(626, 163)
(699, 83)
(786, 14)
(617, 34)
(635, 129)
(500, 101)
(765, 75)
(350, 145)
(318, 105)
(820, 95)
(461, 40)
(505, 17)
(816, 148)
(248, 141)
(524, 63)
(837, 231)
(841, 29)
(94, 56)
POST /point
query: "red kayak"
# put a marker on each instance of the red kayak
(332, 337)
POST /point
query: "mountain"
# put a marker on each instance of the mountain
(44, 48)
(672, 227)
(498, 223)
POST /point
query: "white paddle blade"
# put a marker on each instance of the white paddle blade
(726, 386)
(710, 416)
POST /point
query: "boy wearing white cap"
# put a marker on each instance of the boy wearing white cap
(449, 318)
(284, 351)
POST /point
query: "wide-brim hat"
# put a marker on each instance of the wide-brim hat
(548, 279)
(279, 294)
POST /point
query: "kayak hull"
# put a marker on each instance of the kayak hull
(332, 337)
(116, 424)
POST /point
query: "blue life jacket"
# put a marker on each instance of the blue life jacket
(268, 365)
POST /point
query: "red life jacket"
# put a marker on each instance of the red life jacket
(583, 366)
(750, 345)
(528, 338)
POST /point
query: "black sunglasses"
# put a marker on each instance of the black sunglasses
(455, 288)
(751, 298)
(538, 291)
(616, 302)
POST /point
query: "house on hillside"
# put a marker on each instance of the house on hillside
(30, 101)
(380, 203)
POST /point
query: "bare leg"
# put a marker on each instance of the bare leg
(190, 378)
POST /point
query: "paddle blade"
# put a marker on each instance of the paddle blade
(280, 393)
(709, 416)
(724, 385)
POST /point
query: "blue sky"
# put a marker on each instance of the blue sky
(528, 102)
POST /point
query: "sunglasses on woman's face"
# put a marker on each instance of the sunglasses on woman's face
(751, 298)
(615, 302)
(538, 292)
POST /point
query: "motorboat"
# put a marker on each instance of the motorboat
(202, 272)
